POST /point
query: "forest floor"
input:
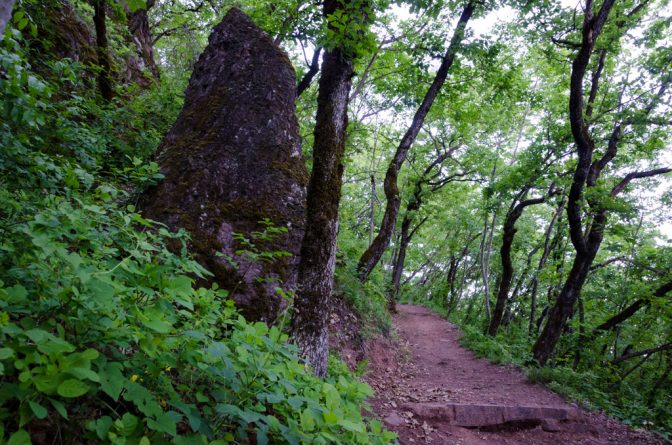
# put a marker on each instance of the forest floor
(430, 390)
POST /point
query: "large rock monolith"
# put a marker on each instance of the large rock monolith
(232, 159)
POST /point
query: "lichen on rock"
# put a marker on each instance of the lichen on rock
(232, 159)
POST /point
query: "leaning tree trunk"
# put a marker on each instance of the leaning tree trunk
(375, 251)
(104, 59)
(509, 231)
(318, 249)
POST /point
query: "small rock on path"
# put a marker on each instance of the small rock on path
(428, 373)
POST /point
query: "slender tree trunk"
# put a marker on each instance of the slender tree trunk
(508, 315)
(542, 262)
(465, 272)
(582, 334)
(318, 249)
(509, 231)
(104, 59)
(453, 267)
(398, 269)
(372, 208)
(372, 255)
(486, 247)
(6, 7)
(406, 234)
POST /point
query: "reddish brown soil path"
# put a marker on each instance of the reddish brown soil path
(431, 390)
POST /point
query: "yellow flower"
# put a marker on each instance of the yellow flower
(168, 368)
(134, 378)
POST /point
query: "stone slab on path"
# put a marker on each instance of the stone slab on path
(477, 416)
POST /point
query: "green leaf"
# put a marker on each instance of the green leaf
(180, 289)
(21, 437)
(357, 427)
(165, 423)
(39, 411)
(6, 353)
(112, 380)
(72, 388)
(48, 343)
(16, 294)
(102, 426)
(154, 319)
(83, 373)
(60, 408)
(128, 424)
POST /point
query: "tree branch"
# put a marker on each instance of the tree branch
(637, 175)
(646, 352)
(310, 74)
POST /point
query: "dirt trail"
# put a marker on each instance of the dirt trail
(431, 390)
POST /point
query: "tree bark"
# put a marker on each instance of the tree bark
(509, 231)
(318, 249)
(104, 59)
(138, 26)
(6, 7)
(586, 247)
(375, 251)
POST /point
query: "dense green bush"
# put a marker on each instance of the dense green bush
(104, 335)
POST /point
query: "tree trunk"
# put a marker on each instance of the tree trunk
(138, 26)
(398, 269)
(372, 255)
(586, 246)
(5, 15)
(372, 208)
(486, 246)
(509, 231)
(318, 249)
(453, 267)
(542, 262)
(104, 59)
(562, 310)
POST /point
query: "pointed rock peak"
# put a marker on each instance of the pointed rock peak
(233, 159)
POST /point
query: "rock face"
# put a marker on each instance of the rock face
(232, 159)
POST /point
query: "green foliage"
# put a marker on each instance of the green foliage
(368, 300)
(105, 335)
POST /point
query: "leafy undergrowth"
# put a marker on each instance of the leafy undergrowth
(104, 336)
(367, 300)
(594, 389)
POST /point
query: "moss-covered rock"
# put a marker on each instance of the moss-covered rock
(232, 159)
